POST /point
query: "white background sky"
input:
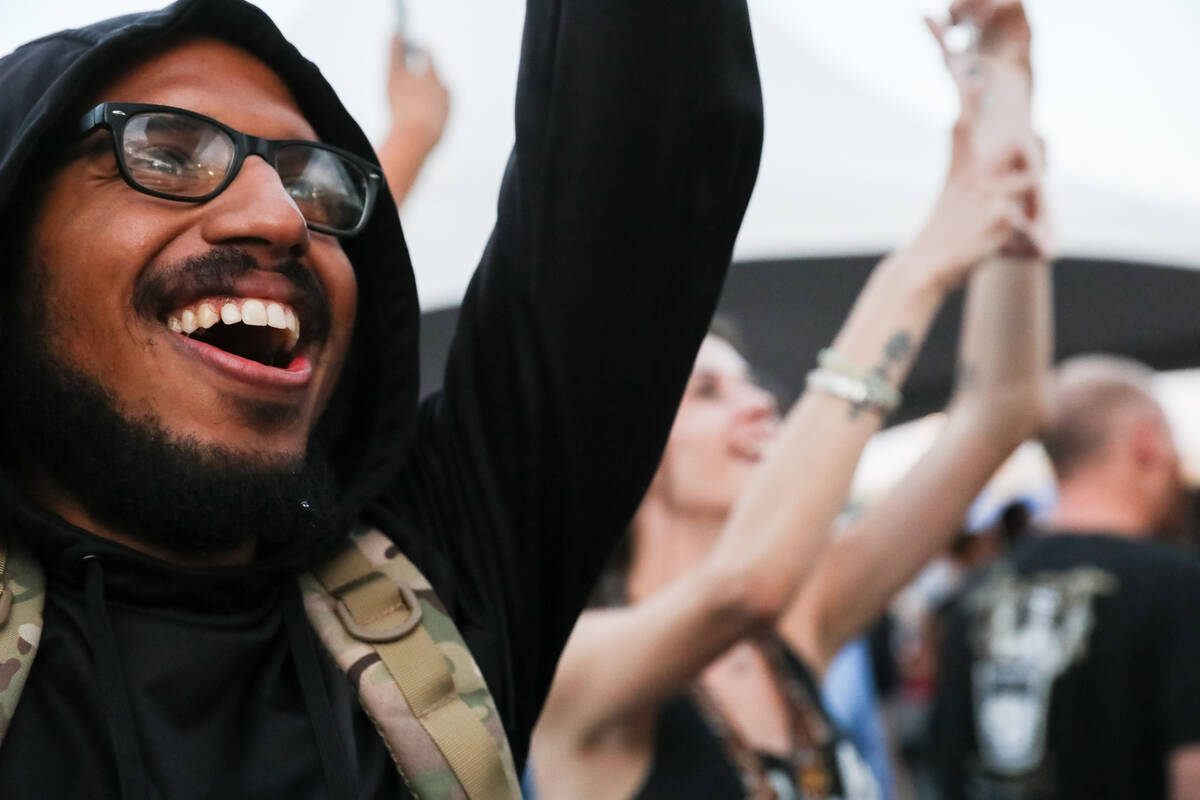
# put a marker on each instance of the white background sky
(1115, 78)
(856, 101)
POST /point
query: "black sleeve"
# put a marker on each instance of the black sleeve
(638, 132)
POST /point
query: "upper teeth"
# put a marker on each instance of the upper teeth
(246, 310)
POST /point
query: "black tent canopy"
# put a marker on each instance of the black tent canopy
(787, 310)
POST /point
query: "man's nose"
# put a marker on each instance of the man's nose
(256, 209)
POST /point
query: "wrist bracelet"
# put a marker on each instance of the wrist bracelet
(854, 391)
(834, 361)
(879, 392)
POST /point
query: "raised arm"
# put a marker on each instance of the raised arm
(1004, 359)
(419, 104)
(638, 131)
(781, 521)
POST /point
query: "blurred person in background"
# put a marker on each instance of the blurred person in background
(907, 641)
(1069, 669)
(420, 104)
(850, 694)
(700, 679)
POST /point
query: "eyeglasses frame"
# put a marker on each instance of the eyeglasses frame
(115, 115)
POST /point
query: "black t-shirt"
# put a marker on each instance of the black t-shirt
(1070, 669)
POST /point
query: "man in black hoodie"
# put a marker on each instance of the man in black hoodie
(209, 355)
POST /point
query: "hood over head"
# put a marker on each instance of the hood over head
(46, 80)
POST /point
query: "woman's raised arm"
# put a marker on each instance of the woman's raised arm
(1005, 354)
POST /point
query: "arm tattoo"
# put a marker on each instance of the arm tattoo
(968, 377)
(897, 351)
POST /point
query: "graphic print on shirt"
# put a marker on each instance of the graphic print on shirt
(1024, 633)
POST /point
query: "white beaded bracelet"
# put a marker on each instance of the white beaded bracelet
(856, 392)
(879, 391)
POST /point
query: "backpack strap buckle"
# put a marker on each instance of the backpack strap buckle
(373, 607)
(376, 616)
(413, 673)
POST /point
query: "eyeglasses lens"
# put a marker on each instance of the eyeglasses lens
(330, 191)
(189, 158)
(176, 154)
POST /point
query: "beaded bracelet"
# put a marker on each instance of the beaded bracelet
(880, 394)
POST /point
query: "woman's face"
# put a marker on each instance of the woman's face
(723, 423)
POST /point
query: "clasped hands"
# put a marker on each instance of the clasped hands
(992, 202)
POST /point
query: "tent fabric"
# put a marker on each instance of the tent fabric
(858, 114)
(788, 309)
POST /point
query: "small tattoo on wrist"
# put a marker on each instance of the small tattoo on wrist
(897, 351)
(968, 377)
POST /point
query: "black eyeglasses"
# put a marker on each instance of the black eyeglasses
(178, 154)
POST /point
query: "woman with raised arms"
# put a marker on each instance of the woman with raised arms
(701, 682)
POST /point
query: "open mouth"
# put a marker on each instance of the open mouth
(254, 329)
(750, 449)
(751, 443)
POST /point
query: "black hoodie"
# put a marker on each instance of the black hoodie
(638, 130)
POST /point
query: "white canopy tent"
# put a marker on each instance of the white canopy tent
(857, 112)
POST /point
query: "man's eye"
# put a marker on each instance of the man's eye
(167, 161)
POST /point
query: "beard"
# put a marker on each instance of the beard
(188, 497)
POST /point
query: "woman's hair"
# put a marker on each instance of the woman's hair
(726, 328)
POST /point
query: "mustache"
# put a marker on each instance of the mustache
(216, 272)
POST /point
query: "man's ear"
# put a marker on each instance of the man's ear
(1144, 446)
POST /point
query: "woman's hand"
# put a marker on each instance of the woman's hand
(993, 81)
(1004, 32)
(992, 72)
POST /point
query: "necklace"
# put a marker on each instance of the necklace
(810, 777)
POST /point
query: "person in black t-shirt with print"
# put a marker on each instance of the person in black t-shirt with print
(1072, 667)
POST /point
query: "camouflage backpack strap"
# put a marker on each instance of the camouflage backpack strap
(379, 618)
(22, 596)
